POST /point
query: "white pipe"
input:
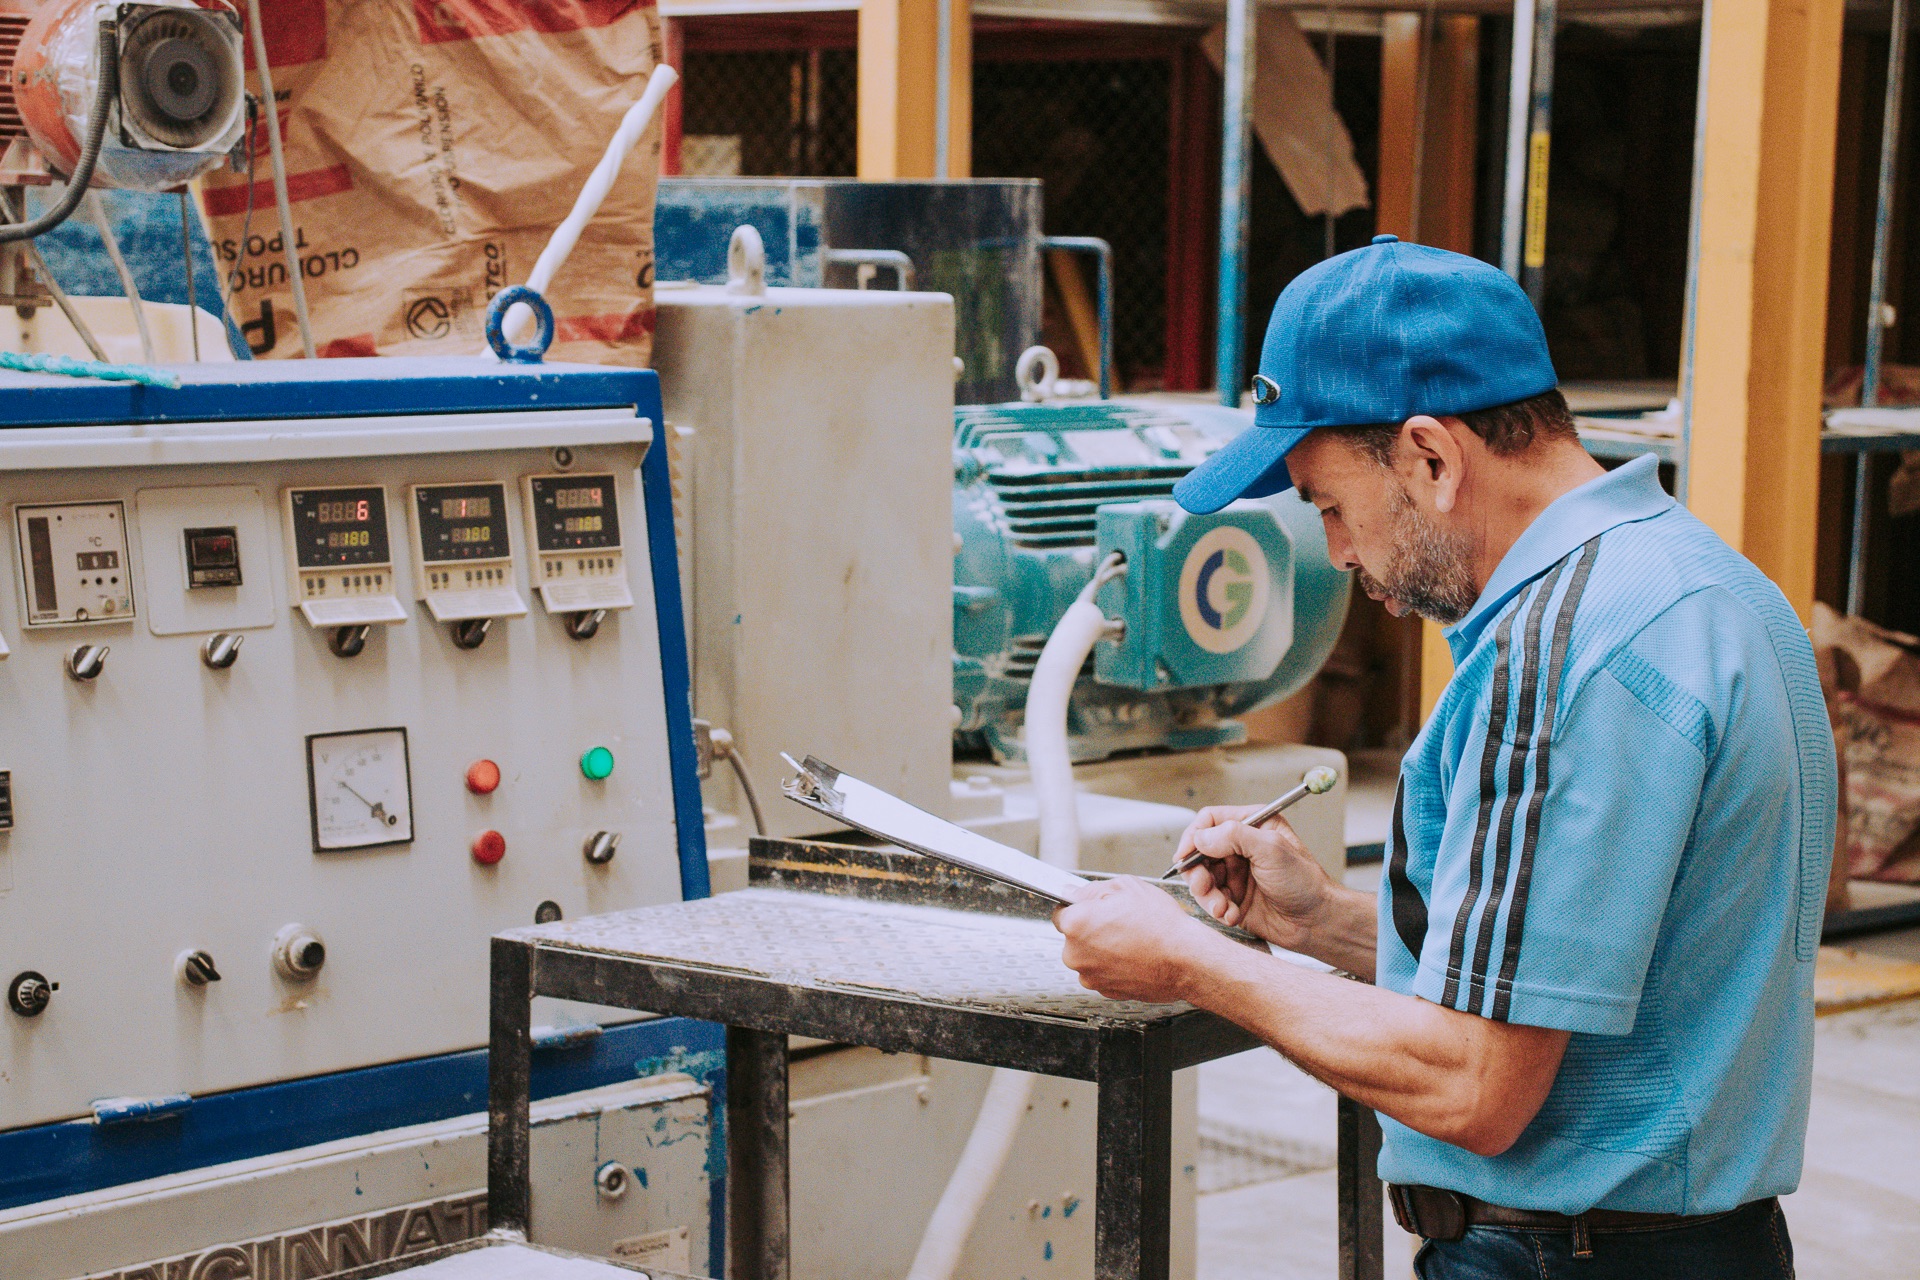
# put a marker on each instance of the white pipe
(1051, 767)
(1513, 200)
(1048, 763)
(280, 201)
(599, 182)
(97, 209)
(986, 1154)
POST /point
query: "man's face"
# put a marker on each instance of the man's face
(1407, 558)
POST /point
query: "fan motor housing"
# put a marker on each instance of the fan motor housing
(181, 109)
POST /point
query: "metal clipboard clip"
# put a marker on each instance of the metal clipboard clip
(847, 800)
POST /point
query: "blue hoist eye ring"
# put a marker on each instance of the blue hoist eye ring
(497, 319)
(1265, 389)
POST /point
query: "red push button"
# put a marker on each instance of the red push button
(482, 777)
(489, 847)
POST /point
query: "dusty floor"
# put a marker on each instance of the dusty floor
(1266, 1168)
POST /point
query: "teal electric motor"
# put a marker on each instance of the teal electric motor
(1221, 613)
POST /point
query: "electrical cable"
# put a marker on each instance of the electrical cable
(246, 230)
(186, 258)
(280, 199)
(746, 785)
(97, 210)
(109, 58)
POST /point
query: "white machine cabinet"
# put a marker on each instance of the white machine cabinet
(289, 727)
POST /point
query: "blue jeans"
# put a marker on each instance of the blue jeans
(1749, 1243)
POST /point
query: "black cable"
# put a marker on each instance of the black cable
(186, 256)
(109, 55)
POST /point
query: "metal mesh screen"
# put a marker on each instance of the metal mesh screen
(1096, 133)
(785, 114)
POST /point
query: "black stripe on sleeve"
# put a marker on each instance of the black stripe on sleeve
(1523, 879)
(1409, 908)
(1525, 740)
(1489, 760)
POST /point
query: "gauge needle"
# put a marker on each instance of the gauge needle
(378, 810)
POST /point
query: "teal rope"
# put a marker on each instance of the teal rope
(146, 375)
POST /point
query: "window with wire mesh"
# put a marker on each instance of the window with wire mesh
(1095, 132)
(788, 113)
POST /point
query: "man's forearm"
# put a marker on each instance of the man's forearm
(1345, 933)
(1451, 1075)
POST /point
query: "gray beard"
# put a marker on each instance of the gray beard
(1431, 571)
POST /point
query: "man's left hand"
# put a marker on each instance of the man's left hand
(1130, 941)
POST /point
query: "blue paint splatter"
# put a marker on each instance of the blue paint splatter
(1047, 1253)
(1047, 1212)
(1066, 1210)
(641, 1174)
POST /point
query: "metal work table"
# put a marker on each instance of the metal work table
(885, 949)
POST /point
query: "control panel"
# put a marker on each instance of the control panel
(463, 552)
(573, 522)
(241, 849)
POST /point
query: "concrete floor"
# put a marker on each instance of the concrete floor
(1267, 1141)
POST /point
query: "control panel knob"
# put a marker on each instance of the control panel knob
(601, 846)
(347, 642)
(195, 968)
(584, 624)
(221, 650)
(471, 633)
(611, 1180)
(87, 661)
(298, 953)
(29, 993)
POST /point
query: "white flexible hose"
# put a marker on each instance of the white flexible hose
(288, 237)
(567, 234)
(1051, 767)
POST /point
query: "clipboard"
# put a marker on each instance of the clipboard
(847, 800)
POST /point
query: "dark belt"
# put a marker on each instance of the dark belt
(1439, 1214)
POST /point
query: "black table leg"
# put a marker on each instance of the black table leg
(1362, 1243)
(757, 1214)
(509, 1086)
(1133, 1181)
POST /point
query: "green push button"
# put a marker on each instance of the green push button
(597, 763)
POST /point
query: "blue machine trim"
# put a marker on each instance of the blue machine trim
(657, 487)
(268, 389)
(52, 1160)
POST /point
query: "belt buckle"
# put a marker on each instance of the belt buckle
(1433, 1213)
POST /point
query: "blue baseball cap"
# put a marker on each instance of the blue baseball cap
(1376, 335)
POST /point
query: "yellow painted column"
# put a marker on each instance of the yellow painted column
(899, 72)
(1758, 316)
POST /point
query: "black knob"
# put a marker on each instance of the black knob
(221, 650)
(348, 641)
(87, 661)
(196, 969)
(601, 846)
(472, 632)
(29, 993)
(584, 624)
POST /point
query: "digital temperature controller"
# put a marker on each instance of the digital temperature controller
(342, 556)
(575, 523)
(462, 553)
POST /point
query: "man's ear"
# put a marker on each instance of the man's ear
(1432, 461)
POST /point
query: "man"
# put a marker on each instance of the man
(1590, 1028)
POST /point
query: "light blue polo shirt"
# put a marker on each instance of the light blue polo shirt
(1618, 823)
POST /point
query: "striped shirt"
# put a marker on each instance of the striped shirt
(1618, 823)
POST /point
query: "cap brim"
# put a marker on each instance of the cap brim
(1251, 465)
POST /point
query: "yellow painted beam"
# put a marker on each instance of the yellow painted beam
(898, 75)
(1396, 187)
(1759, 312)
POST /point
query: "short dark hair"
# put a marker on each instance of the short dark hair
(1508, 429)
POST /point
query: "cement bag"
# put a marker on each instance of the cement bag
(432, 147)
(1873, 686)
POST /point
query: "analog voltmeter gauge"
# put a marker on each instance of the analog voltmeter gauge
(359, 788)
(462, 553)
(574, 525)
(342, 558)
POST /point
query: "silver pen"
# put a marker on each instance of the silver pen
(1316, 781)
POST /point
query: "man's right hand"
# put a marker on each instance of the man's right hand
(1261, 879)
